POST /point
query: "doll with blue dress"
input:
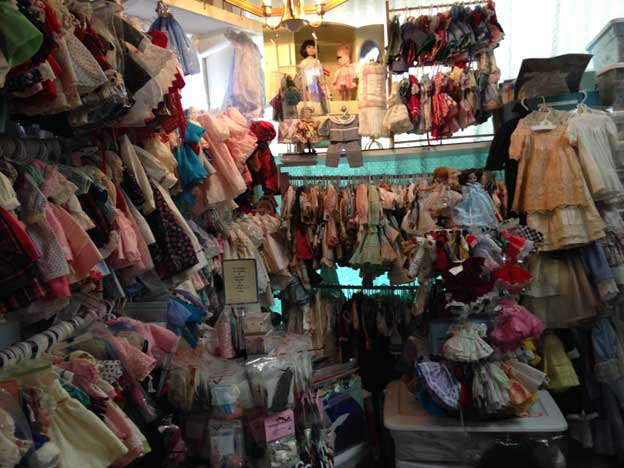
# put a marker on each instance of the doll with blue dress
(476, 208)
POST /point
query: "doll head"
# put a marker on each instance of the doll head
(191, 113)
(306, 113)
(453, 179)
(308, 49)
(470, 176)
(343, 55)
(441, 175)
(494, 77)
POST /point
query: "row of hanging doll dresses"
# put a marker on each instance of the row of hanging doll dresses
(74, 405)
(567, 185)
(85, 67)
(355, 226)
(447, 36)
(111, 216)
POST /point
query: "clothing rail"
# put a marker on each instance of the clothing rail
(356, 178)
(436, 7)
(373, 288)
(26, 149)
(39, 344)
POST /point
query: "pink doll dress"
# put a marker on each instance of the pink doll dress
(161, 341)
(227, 183)
(84, 253)
(515, 324)
(138, 364)
(345, 78)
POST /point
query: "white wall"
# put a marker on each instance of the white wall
(216, 54)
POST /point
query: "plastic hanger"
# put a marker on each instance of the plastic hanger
(547, 122)
(581, 106)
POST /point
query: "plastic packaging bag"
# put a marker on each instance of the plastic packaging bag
(271, 379)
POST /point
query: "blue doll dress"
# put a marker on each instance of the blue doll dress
(475, 210)
(178, 42)
(190, 166)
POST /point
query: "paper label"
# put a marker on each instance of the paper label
(240, 279)
(279, 425)
(456, 270)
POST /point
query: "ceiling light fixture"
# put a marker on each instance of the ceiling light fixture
(293, 15)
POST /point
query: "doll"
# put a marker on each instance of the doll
(310, 77)
(344, 80)
(475, 209)
(306, 132)
(437, 203)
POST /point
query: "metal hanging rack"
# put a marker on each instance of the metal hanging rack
(39, 344)
(338, 180)
(435, 6)
(390, 11)
(372, 288)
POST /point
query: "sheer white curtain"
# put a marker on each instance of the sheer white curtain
(545, 28)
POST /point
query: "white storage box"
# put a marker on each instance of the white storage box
(422, 438)
(608, 45)
(610, 83)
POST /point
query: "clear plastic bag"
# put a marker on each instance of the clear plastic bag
(272, 379)
(282, 453)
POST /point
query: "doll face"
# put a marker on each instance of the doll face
(343, 60)
(472, 178)
(441, 179)
(192, 113)
(306, 113)
(310, 50)
(453, 179)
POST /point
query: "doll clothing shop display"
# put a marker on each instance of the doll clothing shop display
(344, 140)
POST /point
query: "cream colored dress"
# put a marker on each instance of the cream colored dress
(595, 135)
(82, 438)
(551, 187)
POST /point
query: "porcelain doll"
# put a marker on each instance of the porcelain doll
(306, 132)
(475, 210)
